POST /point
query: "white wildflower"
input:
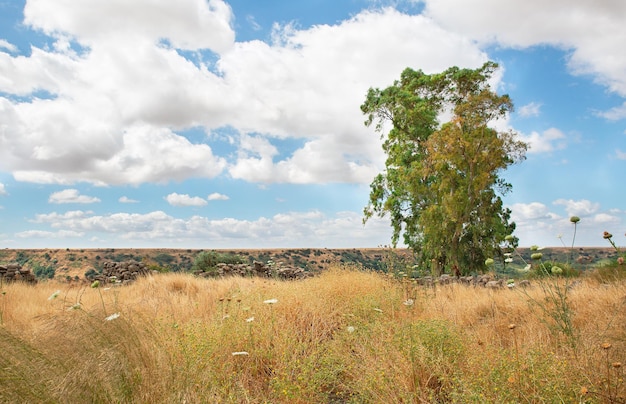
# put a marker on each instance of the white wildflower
(377, 309)
(249, 319)
(408, 302)
(112, 317)
(351, 329)
(270, 301)
(241, 353)
(54, 295)
(508, 260)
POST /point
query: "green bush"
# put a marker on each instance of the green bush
(43, 271)
(207, 260)
(550, 268)
(164, 259)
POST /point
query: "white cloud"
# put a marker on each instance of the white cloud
(529, 211)
(133, 93)
(289, 229)
(590, 30)
(175, 199)
(188, 24)
(42, 234)
(216, 196)
(3, 191)
(532, 109)
(4, 44)
(605, 218)
(536, 224)
(548, 141)
(252, 21)
(581, 208)
(620, 154)
(125, 199)
(71, 196)
(614, 114)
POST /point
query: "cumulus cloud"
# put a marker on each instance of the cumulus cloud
(580, 208)
(189, 24)
(175, 199)
(216, 196)
(571, 25)
(125, 199)
(529, 211)
(289, 229)
(537, 224)
(306, 84)
(71, 196)
(547, 141)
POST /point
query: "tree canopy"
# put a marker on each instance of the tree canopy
(441, 186)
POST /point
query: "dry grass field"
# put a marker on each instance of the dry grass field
(344, 336)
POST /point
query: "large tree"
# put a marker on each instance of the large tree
(441, 186)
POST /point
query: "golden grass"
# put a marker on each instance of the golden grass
(345, 336)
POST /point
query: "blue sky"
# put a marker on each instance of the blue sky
(236, 124)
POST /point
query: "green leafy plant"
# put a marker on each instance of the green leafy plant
(206, 261)
(43, 271)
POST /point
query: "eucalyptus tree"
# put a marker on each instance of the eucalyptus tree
(442, 182)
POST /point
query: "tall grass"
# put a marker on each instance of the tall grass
(345, 336)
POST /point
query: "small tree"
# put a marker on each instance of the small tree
(441, 182)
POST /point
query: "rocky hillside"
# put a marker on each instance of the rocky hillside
(73, 264)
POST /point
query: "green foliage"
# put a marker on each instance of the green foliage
(92, 272)
(21, 257)
(554, 269)
(207, 260)
(164, 259)
(43, 271)
(441, 182)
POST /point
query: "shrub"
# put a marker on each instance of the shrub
(164, 259)
(43, 271)
(550, 268)
(207, 261)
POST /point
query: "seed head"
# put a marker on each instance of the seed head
(607, 235)
(95, 284)
(489, 262)
(536, 256)
(574, 219)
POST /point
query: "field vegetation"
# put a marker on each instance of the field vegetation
(347, 335)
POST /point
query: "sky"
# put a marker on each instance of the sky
(236, 124)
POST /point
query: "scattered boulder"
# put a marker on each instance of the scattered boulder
(485, 281)
(256, 269)
(15, 272)
(121, 272)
